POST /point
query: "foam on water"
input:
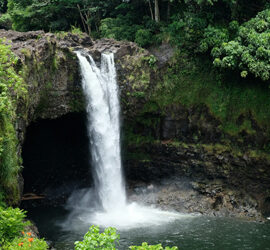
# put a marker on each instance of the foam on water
(134, 215)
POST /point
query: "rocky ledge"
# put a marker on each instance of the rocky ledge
(209, 179)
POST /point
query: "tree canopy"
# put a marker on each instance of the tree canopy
(234, 32)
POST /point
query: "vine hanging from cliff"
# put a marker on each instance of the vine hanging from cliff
(12, 89)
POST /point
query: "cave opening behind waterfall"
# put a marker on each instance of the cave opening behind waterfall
(56, 159)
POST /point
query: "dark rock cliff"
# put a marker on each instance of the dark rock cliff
(182, 144)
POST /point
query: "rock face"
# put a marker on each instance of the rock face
(205, 179)
(52, 75)
(181, 145)
(51, 71)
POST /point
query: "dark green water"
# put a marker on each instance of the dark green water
(198, 232)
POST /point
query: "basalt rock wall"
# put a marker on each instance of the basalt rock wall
(178, 141)
(50, 69)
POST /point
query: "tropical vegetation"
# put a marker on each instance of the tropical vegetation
(222, 60)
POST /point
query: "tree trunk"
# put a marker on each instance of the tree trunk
(169, 10)
(157, 15)
(151, 10)
(85, 17)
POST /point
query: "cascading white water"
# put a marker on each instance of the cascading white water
(101, 91)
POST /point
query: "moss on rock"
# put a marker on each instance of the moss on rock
(12, 91)
(228, 108)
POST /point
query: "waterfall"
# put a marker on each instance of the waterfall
(103, 110)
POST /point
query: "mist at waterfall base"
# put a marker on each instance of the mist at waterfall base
(106, 205)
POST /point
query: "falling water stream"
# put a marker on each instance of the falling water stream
(103, 109)
(101, 91)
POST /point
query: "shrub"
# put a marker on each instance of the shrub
(107, 240)
(95, 240)
(145, 246)
(5, 21)
(76, 31)
(11, 223)
(25, 243)
(186, 31)
(120, 28)
(143, 37)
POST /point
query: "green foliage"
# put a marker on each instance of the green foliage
(195, 25)
(132, 138)
(5, 21)
(151, 60)
(12, 90)
(95, 240)
(145, 246)
(192, 82)
(11, 223)
(76, 31)
(213, 37)
(143, 37)
(3, 6)
(249, 52)
(25, 243)
(2, 199)
(56, 15)
(35, 14)
(186, 31)
(107, 240)
(120, 28)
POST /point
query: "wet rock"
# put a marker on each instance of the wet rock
(211, 183)
(163, 54)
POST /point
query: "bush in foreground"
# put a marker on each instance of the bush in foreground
(12, 235)
(145, 246)
(25, 243)
(95, 240)
(107, 240)
(11, 223)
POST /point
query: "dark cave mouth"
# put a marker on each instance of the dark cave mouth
(56, 158)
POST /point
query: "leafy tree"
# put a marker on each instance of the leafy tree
(42, 14)
(249, 52)
(143, 37)
(213, 37)
(58, 15)
(221, 27)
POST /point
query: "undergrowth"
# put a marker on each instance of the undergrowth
(194, 82)
(12, 90)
